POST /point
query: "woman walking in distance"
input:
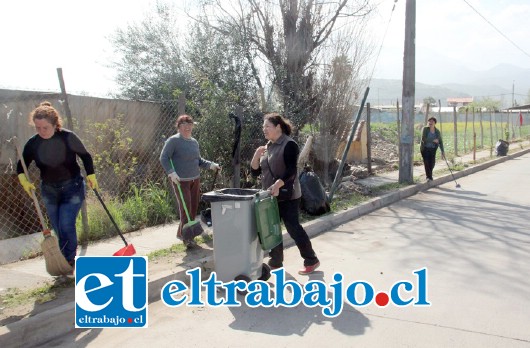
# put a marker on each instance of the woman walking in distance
(431, 138)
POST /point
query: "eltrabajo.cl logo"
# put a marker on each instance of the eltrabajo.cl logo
(111, 292)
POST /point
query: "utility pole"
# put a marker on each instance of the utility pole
(406, 145)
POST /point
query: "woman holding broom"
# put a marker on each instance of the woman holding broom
(55, 150)
(431, 138)
(182, 161)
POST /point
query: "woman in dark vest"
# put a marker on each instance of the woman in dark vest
(431, 138)
(277, 163)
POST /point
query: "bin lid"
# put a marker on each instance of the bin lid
(230, 194)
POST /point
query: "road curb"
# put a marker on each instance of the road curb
(46, 326)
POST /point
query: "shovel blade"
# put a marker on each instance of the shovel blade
(125, 251)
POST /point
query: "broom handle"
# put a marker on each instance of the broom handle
(184, 203)
(35, 201)
(110, 216)
(180, 192)
(39, 212)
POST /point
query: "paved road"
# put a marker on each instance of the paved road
(474, 242)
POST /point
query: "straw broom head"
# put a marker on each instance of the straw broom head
(56, 264)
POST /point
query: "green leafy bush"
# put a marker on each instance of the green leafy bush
(144, 206)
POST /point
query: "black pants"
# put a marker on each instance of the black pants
(289, 214)
(429, 160)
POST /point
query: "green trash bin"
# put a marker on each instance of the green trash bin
(238, 252)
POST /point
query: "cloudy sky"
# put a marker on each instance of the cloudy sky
(453, 32)
(39, 36)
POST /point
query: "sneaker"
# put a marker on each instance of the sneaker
(309, 269)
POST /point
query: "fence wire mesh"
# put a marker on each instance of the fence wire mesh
(125, 139)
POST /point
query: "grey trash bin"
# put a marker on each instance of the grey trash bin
(237, 250)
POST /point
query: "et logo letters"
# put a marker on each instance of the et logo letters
(111, 292)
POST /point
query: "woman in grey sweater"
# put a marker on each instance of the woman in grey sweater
(182, 161)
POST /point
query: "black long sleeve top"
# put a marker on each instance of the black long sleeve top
(56, 156)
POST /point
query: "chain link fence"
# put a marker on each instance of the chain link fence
(125, 139)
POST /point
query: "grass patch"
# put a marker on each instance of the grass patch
(176, 248)
(46, 293)
(344, 201)
(394, 186)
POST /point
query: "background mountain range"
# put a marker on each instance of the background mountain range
(503, 82)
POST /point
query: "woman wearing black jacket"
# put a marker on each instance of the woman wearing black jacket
(431, 138)
(55, 150)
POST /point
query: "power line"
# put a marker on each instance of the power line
(500, 32)
(382, 42)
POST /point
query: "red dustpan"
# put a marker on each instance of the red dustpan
(128, 249)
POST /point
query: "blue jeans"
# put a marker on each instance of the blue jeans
(63, 201)
(289, 214)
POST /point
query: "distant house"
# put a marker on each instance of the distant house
(457, 101)
(433, 108)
